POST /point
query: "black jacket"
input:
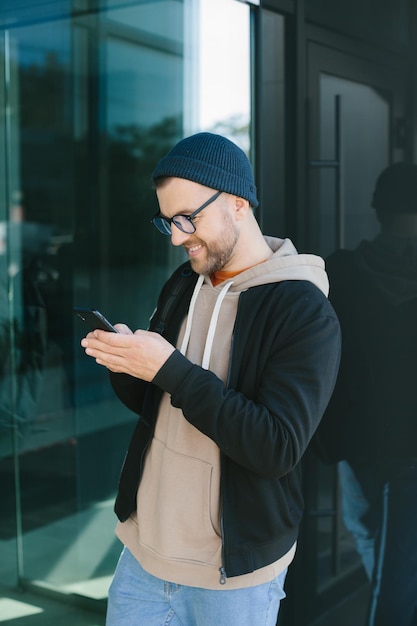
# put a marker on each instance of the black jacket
(283, 364)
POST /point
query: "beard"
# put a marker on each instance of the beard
(219, 252)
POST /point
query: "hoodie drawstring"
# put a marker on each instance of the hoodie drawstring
(213, 324)
(187, 333)
(213, 321)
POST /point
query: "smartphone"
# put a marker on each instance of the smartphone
(94, 319)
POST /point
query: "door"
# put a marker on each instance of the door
(355, 129)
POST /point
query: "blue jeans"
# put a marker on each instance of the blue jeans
(138, 599)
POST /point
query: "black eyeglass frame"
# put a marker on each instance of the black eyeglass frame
(163, 224)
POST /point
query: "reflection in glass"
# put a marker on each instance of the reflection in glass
(365, 119)
(369, 426)
(94, 101)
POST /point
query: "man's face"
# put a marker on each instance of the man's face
(212, 246)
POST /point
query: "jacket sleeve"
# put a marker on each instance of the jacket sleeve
(129, 390)
(286, 370)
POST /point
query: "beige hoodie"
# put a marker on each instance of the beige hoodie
(176, 533)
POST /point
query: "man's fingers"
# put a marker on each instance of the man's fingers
(123, 329)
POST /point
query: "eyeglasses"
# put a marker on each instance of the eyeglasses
(183, 222)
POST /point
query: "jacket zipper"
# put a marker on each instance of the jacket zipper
(222, 568)
(222, 579)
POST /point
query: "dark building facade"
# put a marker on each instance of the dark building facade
(320, 94)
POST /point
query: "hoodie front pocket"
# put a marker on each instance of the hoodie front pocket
(178, 514)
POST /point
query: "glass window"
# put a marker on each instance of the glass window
(89, 104)
(223, 79)
(365, 152)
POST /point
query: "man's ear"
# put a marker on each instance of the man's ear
(241, 207)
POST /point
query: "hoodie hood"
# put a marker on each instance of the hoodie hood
(390, 264)
(284, 264)
(211, 307)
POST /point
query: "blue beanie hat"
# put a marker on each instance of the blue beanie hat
(212, 161)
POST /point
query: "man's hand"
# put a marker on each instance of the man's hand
(140, 354)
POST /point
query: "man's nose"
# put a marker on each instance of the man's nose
(178, 237)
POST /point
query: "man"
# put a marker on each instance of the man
(371, 420)
(230, 390)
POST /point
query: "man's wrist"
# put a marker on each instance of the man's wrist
(173, 372)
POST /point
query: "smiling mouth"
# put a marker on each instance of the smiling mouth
(193, 250)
